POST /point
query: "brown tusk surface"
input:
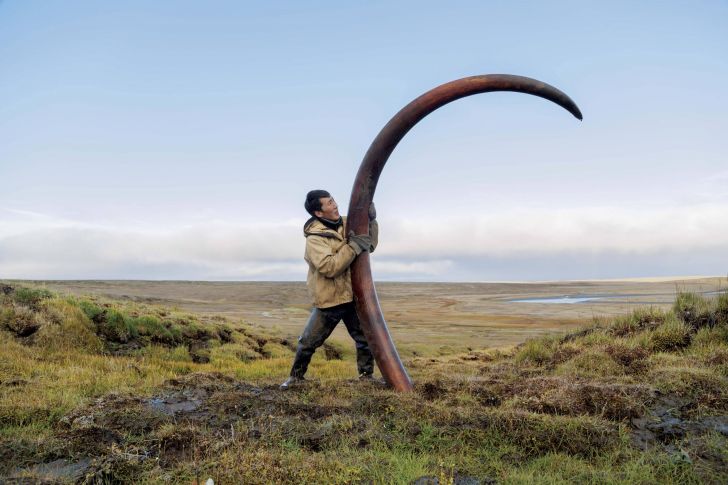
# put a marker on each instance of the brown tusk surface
(365, 184)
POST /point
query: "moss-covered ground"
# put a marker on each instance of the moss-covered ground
(101, 391)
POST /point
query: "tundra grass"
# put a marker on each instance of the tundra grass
(147, 394)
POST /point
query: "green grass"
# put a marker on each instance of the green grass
(554, 410)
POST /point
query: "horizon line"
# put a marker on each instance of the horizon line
(638, 279)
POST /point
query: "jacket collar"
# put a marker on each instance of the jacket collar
(334, 225)
(314, 227)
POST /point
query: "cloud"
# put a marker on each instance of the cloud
(538, 231)
(430, 267)
(34, 245)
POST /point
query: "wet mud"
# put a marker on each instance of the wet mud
(667, 421)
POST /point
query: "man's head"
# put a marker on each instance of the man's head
(319, 203)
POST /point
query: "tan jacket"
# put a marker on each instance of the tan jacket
(329, 256)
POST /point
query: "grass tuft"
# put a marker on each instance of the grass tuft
(670, 336)
(537, 351)
(694, 309)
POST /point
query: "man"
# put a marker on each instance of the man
(329, 253)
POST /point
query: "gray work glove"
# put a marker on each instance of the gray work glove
(359, 242)
(372, 212)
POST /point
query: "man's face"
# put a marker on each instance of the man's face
(329, 209)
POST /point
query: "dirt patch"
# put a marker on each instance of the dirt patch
(474, 355)
(93, 440)
(633, 359)
(313, 411)
(181, 421)
(486, 396)
(665, 422)
(127, 416)
(331, 352)
(666, 427)
(290, 344)
(199, 352)
(189, 398)
(563, 354)
(219, 401)
(177, 403)
(13, 382)
(432, 390)
(58, 471)
(180, 444)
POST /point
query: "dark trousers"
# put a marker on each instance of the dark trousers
(320, 325)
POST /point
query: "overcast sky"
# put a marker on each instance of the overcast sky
(177, 140)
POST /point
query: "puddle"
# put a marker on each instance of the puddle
(175, 404)
(569, 300)
(583, 298)
(59, 471)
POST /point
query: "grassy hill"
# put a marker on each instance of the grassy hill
(97, 391)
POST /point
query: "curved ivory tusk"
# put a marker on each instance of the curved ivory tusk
(365, 184)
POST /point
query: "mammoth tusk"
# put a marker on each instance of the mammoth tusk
(365, 184)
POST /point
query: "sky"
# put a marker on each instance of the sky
(177, 140)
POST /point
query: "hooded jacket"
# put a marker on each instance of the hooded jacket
(329, 256)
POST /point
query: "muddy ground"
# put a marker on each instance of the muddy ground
(200, 415)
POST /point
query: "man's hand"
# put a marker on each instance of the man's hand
(372, 212)
(359, 242)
